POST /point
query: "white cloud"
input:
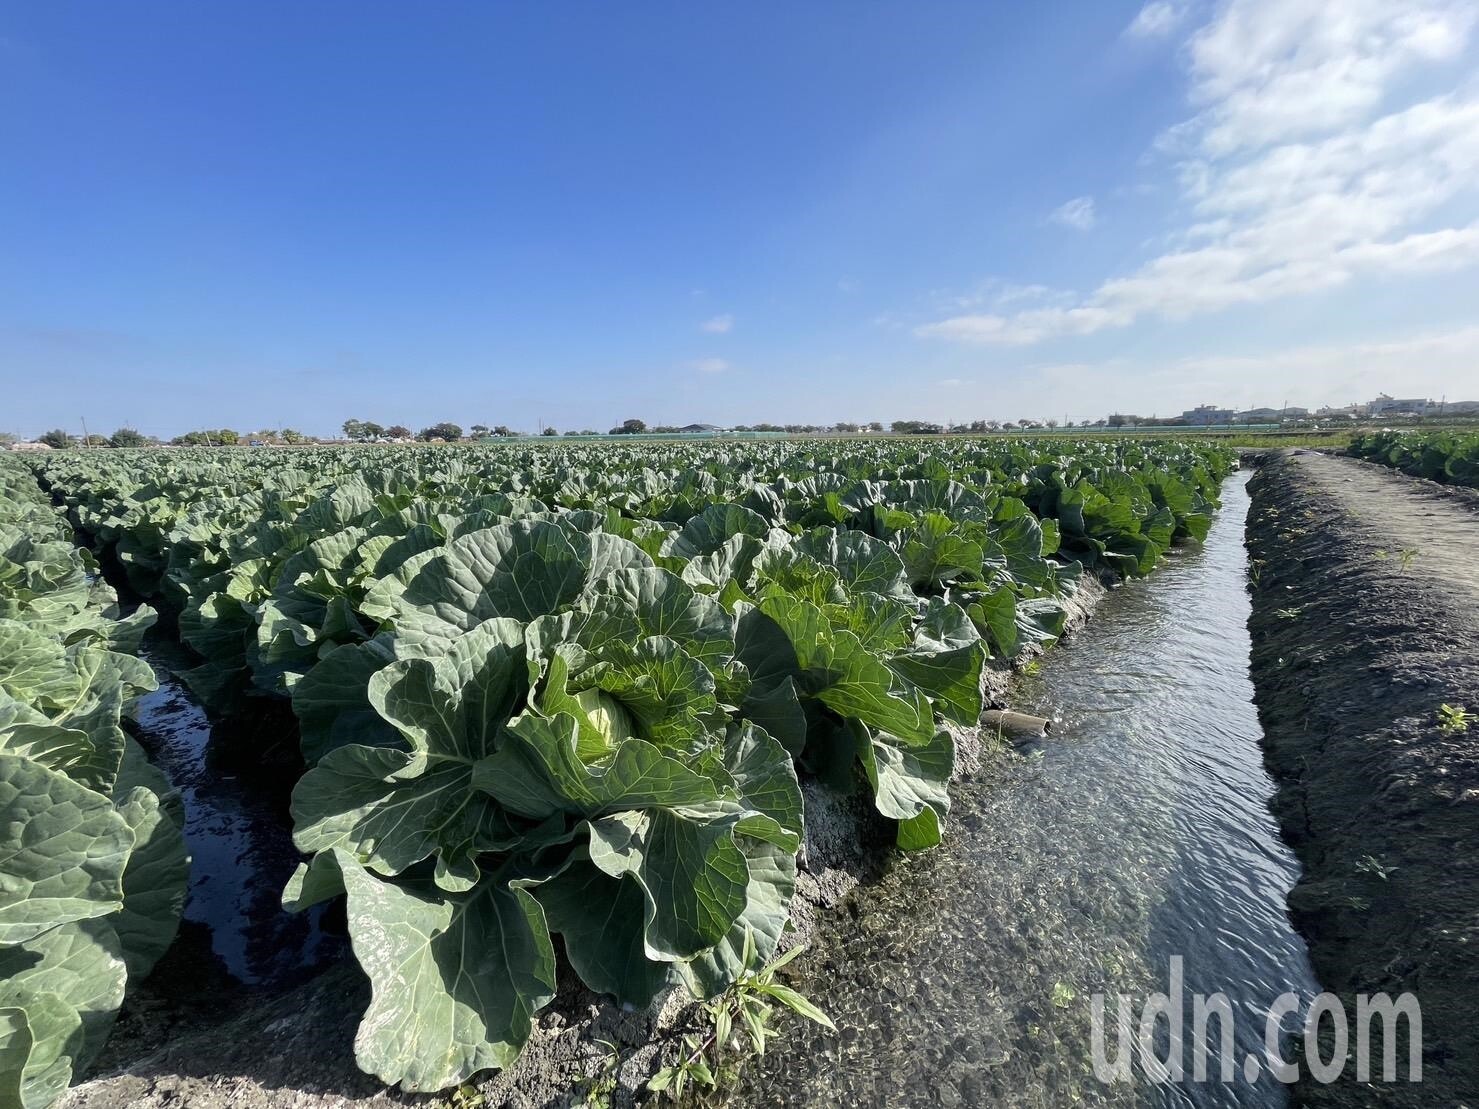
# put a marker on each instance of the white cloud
(1302, 171)
(709, 365)
(1274, 70)
(718, 325)
(1077, 213)
(1156, 20)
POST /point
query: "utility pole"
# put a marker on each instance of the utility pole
(85, 437)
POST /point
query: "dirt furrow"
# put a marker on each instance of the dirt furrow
(1365, 622)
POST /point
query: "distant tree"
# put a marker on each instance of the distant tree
(478, 430)
(397, 431)
(268, 434)
(629, 427)
(293, 436)
(549, 431)
(363, 431)
(7, 438)
(448, 431)
(875, 426)
(842, 425)
(503, 431)
(1053, 423)
(127, 437)
(56, 439)
(207, 437)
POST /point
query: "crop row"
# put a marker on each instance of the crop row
(1447, 456)
(568, 691)
(92, 857)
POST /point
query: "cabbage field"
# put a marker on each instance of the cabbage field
(92, 859)
(540, 691)
(1447, 456)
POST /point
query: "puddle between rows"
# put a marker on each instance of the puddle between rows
(238, 833)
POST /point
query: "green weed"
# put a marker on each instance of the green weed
(738, 1021)
(1453, 719)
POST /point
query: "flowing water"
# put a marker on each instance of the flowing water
(1137, 832)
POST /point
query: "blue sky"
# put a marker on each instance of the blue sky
(261, 214)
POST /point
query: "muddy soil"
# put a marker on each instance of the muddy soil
(1365, 620)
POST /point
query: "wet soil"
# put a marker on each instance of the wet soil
(1365, 621)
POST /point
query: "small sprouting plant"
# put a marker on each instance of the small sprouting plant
(1370, 864)
(1453, 719)
(1063, 995)
(1406, 556)
(466, 1096)
(1032, 666)
(738, 1019)
(1289, 613)
(600, 1088)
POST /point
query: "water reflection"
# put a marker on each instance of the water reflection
(239, 836)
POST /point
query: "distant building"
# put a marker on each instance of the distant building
(1271, 415)
(691, 429)
(1205, 415)
(1395, 406)
(30, 446)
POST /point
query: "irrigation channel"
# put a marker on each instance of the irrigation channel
(1137, 831)
(238, 832)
